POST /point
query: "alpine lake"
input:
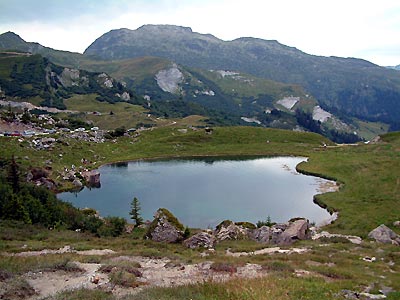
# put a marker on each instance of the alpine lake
(202, 192)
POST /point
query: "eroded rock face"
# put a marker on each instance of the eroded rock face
(384, 234)
(168, 80)
(200, 240)
(165, 228)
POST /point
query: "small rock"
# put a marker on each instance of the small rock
(396, 223)
(77, 183)
(95, 279)
(369, 259)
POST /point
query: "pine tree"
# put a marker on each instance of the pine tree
(135, 212)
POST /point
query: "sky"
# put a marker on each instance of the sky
(347, 28)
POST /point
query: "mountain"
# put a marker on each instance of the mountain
(11, 41)
(34, 78)
(348, 87)
(223, 96)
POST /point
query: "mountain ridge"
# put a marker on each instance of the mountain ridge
(350, 86)
(259, 50)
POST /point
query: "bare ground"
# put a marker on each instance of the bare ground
(155, 272)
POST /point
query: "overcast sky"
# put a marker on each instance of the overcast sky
(348, 28)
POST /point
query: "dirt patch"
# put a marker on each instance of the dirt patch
(154, 272)
(66, 249)
(267, 251)
(49, 283)
(160, 272)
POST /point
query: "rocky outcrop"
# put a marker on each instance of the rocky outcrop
(297, 230)
(262, 234)
(277, 234)
(165, 228)
(283, 233)
(227, 230)
(384, 234)
(200, 240)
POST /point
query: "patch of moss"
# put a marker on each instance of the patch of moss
(224, 223)
(247, 225)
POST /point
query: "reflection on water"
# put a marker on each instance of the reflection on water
(202, 193)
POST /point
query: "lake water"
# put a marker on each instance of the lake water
(203, 192)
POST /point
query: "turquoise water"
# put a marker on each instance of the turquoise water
(202, 193)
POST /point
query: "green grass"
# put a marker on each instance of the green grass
(271, 287)
(82, 294)
(369, 130)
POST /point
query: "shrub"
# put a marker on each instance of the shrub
(112, 226)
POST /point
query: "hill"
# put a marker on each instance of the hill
(345, 86)
(35, 79)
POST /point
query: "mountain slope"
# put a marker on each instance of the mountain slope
(11, 41)
(347, 86)
(27, 76)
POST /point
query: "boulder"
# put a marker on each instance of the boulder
(396, 223)
(47, 183)
(77, 183)
(165, 228)
(262, 234)
(36, 174)
(297, 230)
(200, 240)
(276, 232)
(227, 230)
(384, 234)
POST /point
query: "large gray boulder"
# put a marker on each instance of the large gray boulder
(227, 230)
(384, 234)
(165, 228)
(297, 230)
(262, 234)
(200, 240)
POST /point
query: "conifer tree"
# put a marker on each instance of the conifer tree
(135, 212)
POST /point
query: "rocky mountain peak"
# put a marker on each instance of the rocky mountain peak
(165, 28)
